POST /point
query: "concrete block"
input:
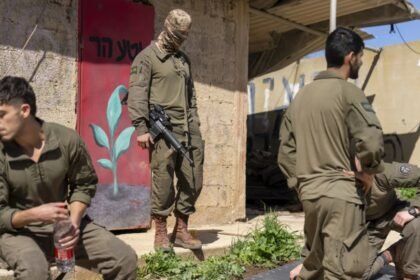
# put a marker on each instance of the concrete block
(213, 196)
(218, 175)
(78, 273)
(57, 24)
(218, 155)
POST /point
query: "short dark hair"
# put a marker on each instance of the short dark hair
(340, 43)
(17, 88)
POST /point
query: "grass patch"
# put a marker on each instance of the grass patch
(407, 193)
(269, 246)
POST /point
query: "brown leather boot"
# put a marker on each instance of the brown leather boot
(181, 236)
(161, 234)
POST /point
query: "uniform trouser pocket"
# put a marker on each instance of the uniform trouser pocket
(354, 252)
(346, 259)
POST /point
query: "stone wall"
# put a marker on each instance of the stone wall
(218, 49)
(49, 58)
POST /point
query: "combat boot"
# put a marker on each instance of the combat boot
(181, 236)
(161, 234)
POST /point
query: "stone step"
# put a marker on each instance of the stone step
(79, 273)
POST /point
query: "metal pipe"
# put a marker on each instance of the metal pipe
(372, 49)
(333, 15)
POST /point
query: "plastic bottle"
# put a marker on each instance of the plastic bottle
(64, 258)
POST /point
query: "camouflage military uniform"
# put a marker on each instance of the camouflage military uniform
(165, 79)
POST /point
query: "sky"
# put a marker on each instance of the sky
(410, 31)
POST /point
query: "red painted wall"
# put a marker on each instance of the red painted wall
(111, 33)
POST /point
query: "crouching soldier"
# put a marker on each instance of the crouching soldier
(386, 212)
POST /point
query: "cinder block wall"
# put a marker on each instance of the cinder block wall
(218, 49)
(49, 59)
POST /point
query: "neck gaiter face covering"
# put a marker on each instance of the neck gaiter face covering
(175, 31)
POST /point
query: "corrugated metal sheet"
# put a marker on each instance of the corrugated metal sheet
(304, 12)
(287, 30)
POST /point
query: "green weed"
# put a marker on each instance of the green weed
(164, 265)
(268, 246)
(407, 193)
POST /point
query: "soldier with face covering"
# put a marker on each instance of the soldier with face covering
(161, 75)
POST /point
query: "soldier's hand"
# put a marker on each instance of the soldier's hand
(50, 212)
(144, 140)
(349, 173)
(295, 272)
(366, 179)
(402, 217)
(358, 164)
(71, 239)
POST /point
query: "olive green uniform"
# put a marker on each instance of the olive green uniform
(325, 119)
(383, 204)
(158, 78)
(63, 172)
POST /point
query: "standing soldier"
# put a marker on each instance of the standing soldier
(325, 119)
(161, 75)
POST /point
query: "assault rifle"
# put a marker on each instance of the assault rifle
(160, 125)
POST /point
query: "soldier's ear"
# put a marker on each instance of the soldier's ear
(349, 58)
(25, 110)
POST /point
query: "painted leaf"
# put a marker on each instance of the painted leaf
(114, 109)
(105, 163)
(100, 136)
(123, 141)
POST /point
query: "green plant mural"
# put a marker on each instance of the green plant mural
(122, 142)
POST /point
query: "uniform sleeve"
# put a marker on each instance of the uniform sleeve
(81, 176)
(286, 157)
(366, 131)
(192, 93)
(6, 212)
(404, 175)
(193, 99)
(138, 93)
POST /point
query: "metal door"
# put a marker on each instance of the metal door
(111, 33)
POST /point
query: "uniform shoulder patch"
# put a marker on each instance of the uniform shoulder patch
(367, 107)
(133, 70)
(405, 169)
